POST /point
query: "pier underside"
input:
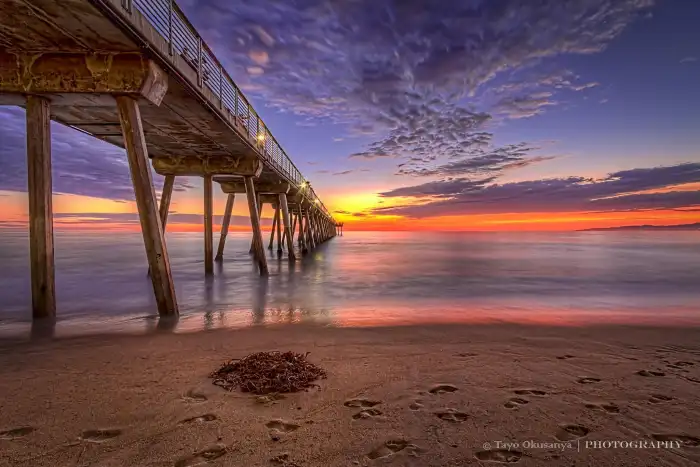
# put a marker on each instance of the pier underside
(104, 68)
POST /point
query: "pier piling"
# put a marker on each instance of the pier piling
(255, 224)
(208, 227)
(224, 226)
(40, 207)
(151, 226)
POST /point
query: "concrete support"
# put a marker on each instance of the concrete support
(208, 227)
(224, 226)
(255, 224)
(151, 226)
(40, 207)
(288, 233)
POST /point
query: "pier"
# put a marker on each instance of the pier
(136, 74)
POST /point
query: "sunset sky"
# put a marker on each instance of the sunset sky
(434, 115)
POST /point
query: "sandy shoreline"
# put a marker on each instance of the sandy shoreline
(147, 400)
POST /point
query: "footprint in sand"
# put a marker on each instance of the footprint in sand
(451, 415)
(283, 460)
(571, 432)
(392, 447)
(207, 417)
(466, 354)
(650, 373)
(282, 426)
(530, 392)
(503, 456)
(100, 435)
(515, 402)
(658, 398)
(416, 405)
(194, 397)
(442, 388)
(14, 433)
(202, 457)
(367, 413)
(269, 399)
(565, 357)
(604, 407)
(361, 403)
(684, 440)
(588, 380)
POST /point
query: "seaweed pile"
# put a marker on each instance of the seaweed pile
(268, 372)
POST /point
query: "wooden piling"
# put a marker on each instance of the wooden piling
(309, 230)
(165, 196)
(208, 227)
(260, 210)
(279, 229)
(224, 226)
(151, 226)
(288, 234)
(275, 218)
(40, 207)
(255, 224)
(302, 234)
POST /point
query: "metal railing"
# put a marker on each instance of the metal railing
(183, 40)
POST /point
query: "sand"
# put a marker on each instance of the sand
(419, 396)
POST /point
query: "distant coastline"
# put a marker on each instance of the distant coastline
(695, 226)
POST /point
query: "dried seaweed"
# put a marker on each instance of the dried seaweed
(268, 372)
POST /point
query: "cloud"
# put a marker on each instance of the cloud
(618, 191)
(524, 106)
(81, 164)
(689, 59)
(386, 67)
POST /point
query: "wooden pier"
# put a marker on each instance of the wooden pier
(135, 73)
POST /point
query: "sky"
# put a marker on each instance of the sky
(434, 115)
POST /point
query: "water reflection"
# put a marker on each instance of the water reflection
(366, 280)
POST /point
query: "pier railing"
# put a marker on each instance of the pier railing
(183, 40)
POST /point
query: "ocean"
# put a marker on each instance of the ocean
(367, 279)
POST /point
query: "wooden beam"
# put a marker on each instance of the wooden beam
(151, 226)
(288, 234)
(208, 227)
(122, 73)
(40, 207)
(255, 224)
(234, 185)
(224, 226)
(208, 165)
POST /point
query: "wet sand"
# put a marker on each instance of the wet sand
(419, 396)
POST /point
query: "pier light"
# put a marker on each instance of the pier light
(261, 137)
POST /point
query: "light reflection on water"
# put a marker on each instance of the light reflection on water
(369, 279)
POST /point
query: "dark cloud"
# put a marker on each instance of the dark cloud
(618, 191)
(389, 68)
(81, 164)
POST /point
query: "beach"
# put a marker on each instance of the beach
(431, 395)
